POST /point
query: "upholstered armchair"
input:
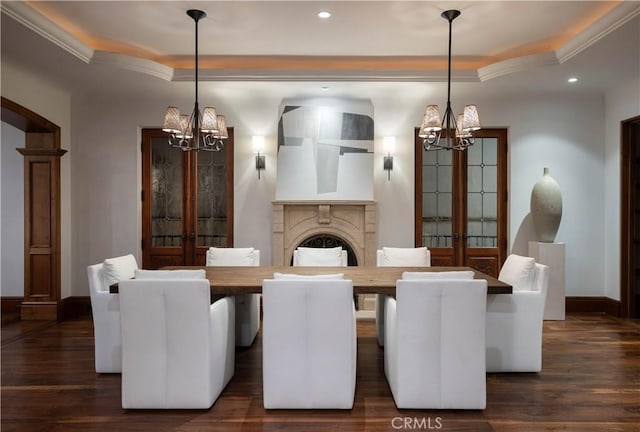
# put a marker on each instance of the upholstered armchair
(247, 305)
(435, 342)
(178, 350)
(397, 257)
(105, 308)
(320, 257)
(514, 322)
(309, 355)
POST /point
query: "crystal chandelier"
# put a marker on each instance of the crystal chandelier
(199, 131)
(459, 132)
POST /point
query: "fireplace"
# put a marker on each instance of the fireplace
(353, 222)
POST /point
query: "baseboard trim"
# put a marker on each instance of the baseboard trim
(10, 304)
(74, 307)
(593, 304)
(67, 308)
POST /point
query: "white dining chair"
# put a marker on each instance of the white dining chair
(515, 321)
(320, 257)
(247, 305)
(435, 343)
(178, 349)
(397, 257)
(308, 354)
(105, 310)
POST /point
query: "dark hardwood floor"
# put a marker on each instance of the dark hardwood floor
(590, 382)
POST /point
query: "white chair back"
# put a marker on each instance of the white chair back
(380, 258)
(232, 257)
(177, 349)
(514, 326)
(247, 305)
(105, 309)
(435, 340)
(380, 299)
(309, 355)
(341, 262)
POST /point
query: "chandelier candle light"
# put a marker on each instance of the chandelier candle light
(199, 131)
(459, 132)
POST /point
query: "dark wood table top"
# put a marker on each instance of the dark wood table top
(366, 280)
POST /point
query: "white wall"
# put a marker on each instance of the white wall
(30, 91)
(622, 103)
(563, 132)
(12, 232)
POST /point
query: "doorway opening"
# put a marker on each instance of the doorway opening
(630, 218)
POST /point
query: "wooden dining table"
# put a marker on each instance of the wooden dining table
(366, 280)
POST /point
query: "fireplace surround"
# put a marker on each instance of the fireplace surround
(354, 222)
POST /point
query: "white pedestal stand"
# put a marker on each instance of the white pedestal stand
(552, 255)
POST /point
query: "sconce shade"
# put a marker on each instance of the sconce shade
(171, 121)
(209, 120)
(258, 143)
(389, 144)
(471, 120)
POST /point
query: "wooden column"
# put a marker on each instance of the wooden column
(41, 226)
(42, 154)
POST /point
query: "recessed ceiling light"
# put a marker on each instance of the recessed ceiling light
(324, 14)
(572, 80)
(324, 88)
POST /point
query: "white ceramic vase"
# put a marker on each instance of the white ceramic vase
(546, 207)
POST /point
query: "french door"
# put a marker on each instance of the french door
(461, 202)
(187, 201)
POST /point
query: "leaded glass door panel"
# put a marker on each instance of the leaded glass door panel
(212, 200)
(461, 202)
(437, 206)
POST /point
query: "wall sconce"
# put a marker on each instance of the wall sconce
(258, 147)
(389, 147)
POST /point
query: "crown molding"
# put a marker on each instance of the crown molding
(24, 14)
(517, 64)
(135, 64)
(621, 14)
(41, 25)
(618, 16)
(324, 75)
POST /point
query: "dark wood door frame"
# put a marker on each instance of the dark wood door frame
(188, 253)
(487, 260)
(42, 153)
(629, 217)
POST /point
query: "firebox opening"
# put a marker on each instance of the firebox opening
(329, 241)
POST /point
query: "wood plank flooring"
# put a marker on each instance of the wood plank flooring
(590, 382)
